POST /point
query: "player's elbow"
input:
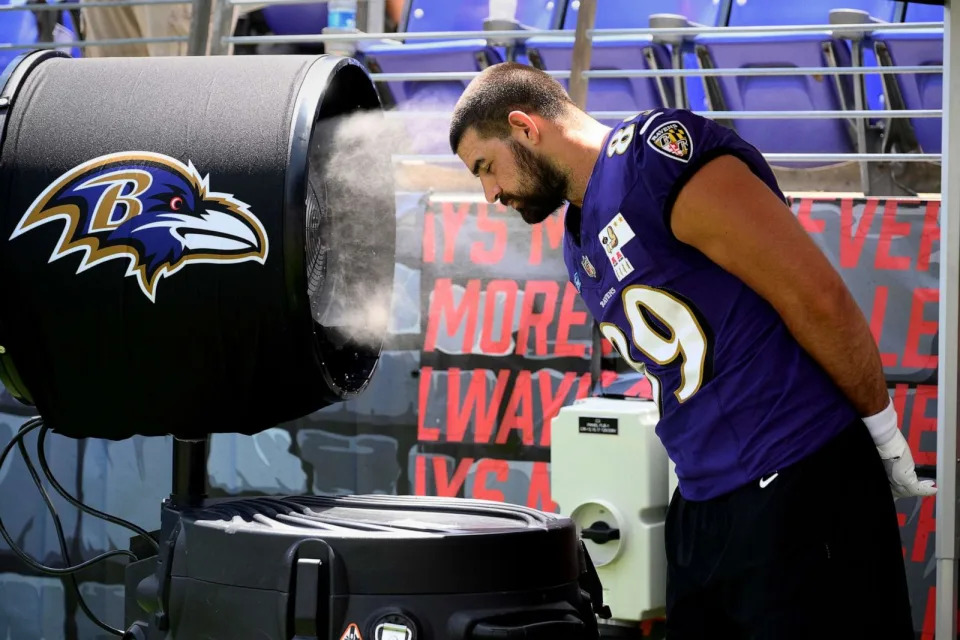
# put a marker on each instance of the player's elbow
(829, 300)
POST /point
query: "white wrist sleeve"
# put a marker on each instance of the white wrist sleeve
(883, 425)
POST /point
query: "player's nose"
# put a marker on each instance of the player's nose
(491, 190)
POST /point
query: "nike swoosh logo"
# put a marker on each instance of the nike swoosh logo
(765, 482)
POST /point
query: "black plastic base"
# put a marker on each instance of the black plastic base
(370, 567)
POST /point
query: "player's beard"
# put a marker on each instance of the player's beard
(543, 188)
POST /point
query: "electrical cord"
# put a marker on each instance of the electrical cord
(69, 571)
(41, 452)
(53, 571)
(62, 540)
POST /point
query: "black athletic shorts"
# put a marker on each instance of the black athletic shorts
(813, 554)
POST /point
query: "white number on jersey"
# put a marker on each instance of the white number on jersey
(686, 340)
(620, 140)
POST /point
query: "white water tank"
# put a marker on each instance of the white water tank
(610, 474)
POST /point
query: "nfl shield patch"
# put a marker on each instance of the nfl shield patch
(672, 140)
(588, 267)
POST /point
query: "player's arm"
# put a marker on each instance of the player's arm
(732, 217)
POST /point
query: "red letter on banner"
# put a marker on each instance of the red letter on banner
(552, 403)
(449, 487)
(899, 402)
(419, 476)
(500, 468)
(452, 221)
(444, 309)
(889, 227)
(519, 413)
(505, 290)
(851, 244)
(803, 215)
(929, 235)
(552, 227)
(920, 422)
(423, 431)
(568, 318)
(475, 405)
(539, 495)
(429, 236)
(926, 524)
(540, 321)
(877, 317)
(478, 253)
(920, 327)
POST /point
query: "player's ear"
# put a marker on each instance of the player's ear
(523, 128)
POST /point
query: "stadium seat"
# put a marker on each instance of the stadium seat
(447, 55)
(779, 93)
(66, 31)
(421, 56)
(623, 52)
(914, 47)
(920, 12)
(465, 55)
(22, 27)
(18, 27)
(295, 19)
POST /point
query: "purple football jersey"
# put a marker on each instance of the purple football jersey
(739, 398)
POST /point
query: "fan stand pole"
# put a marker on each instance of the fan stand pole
(150, 577)
(189, 472)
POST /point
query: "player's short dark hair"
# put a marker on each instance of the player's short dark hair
(500, 89)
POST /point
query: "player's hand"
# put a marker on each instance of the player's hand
(898, 463)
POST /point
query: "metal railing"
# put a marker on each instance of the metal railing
(579, 75)
(212, 23)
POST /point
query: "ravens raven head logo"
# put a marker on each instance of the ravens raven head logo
(149, 209)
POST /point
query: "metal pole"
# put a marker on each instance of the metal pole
(947, 381)
(199, 28)
(582, 48)
(861, 124)
(222, 24)
(374, 19)
(189, 471)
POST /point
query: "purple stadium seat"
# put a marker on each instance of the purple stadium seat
(18, 27)
(915, 47)
(21, 27)
(779, 93)
(540, 14)
(445, 55)
(420, 56)
(919, 12)
(630, 14)
(67, 32)
(295, 19)
(623, 52)
(612, 52)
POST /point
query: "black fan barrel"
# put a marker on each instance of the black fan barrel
(170, 243)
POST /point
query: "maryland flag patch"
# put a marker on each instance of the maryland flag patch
(672, 140)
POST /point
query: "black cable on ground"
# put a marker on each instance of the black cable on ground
(41, 451)
(63, 540)
(29, 426)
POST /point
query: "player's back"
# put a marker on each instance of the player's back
(739, 397)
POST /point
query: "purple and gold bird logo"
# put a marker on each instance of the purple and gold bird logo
(149, 209)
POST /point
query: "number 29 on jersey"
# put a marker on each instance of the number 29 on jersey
(665, 330)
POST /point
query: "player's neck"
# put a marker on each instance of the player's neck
(579, 154)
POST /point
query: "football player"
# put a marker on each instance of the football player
(773, 403)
